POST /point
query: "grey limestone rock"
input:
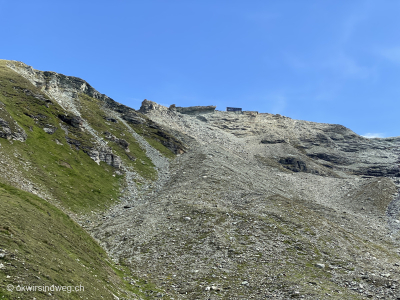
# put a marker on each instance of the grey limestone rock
(148, 106)
(105, 155)
(5, 132)
(50, 129)
(12, 131)
(195, 110)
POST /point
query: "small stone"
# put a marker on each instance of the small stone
(2, 255)
(207, 288)
(245, 283)
(321, 266)
(1, 266)
(187, 218)
(385, 275)
(214, 288)
(50, 130)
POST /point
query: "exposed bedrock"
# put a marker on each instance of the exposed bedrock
(11, 131)
(193, 110)
(105, 155)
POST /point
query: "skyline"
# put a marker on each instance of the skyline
(319, 61)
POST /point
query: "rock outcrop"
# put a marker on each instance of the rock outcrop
(294, 164)
(148, 106)
(105, 154)
(74, 121)
(121, 142)
(65, 90)
(11, 131)
(193, 110)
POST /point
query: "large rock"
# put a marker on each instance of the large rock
(5, 132)
(148, 106)
(12, 131)
(105, 155)
(74, 121)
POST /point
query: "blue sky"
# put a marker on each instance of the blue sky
(323, 61)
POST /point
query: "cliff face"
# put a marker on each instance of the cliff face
(203, 203)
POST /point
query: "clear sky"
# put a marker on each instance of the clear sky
(323, 61)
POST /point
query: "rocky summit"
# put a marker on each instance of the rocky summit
(188, 202)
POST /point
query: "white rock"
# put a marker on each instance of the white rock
(321, 266)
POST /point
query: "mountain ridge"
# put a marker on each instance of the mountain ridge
(207, 204)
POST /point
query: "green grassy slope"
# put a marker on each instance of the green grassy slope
(42, 246)
(92, 112)
(68, 174)
(64, 170)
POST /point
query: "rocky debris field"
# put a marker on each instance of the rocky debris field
(262, 206)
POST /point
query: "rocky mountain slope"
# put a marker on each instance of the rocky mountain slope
(82, 152)
(204, 204)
